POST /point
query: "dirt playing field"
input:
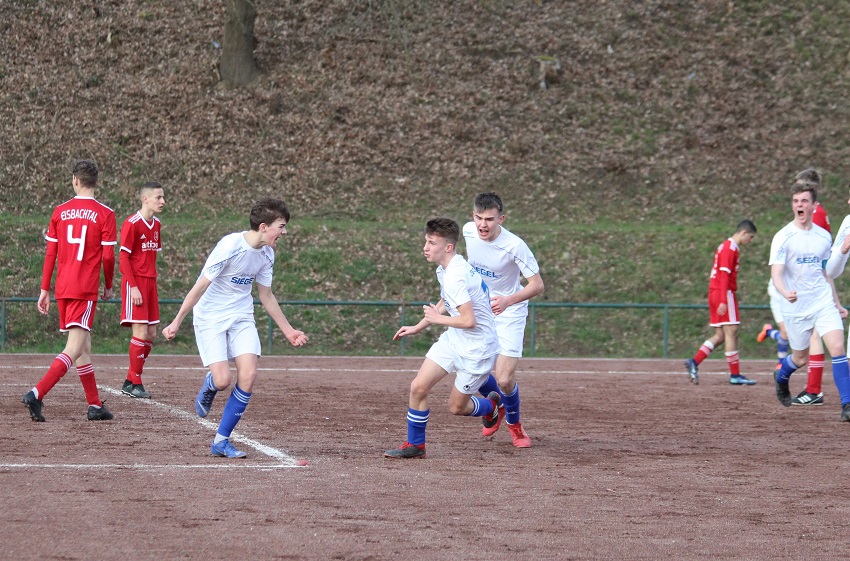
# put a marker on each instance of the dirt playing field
(630, 461)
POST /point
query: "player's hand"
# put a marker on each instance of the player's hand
(297, 338)
(107, 294)
(170, 331)
(843, 311)
(498, 304)
(721, 309)
(136, 296)
(405, 330)
(791, 296)
(43, 302)
(432, 313)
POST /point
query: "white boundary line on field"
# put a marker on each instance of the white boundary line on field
(231, 465)
(284, 459)
(678, 372)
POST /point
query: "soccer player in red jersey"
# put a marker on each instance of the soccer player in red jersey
(81, 236)
(723, 305)
(140, 243)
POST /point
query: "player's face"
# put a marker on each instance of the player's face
(747, 238)
(273, 232)
(803, 207)
(436, 248)
(155, 200)
(488, 223)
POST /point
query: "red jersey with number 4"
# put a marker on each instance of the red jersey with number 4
(725, 269)
(141, 241)
(82, 230)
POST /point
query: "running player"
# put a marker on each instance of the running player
(223, 315)
(812, 394)
(81, 236)
(502, 259)
(468, 346)
(723, 305)
(140, 243)
(797, 257)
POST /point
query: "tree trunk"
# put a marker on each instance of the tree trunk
(238, 67)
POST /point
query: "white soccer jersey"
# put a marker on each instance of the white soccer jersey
(803, 252)
(459, 284)
(501, 263)
(233, 266)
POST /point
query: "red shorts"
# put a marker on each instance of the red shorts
(148, 312)
(76, 313)
(731, 317)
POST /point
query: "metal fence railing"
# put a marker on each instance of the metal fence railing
(403, 306)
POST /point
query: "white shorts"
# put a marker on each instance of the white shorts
(510, 331)
(471, 372)
(223, 342)
(775, 304)
(800, 328)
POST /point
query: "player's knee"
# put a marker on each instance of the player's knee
(418, 390)
(457, 408)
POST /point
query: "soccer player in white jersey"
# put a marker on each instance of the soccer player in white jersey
(223, 315)
(797, 257)
(468, 347)
(812, 394)
(502, 259)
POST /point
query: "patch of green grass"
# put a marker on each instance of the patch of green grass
(347, 258)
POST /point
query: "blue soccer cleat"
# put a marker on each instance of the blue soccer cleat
(205, 396)
(741, 381)
(226, 450)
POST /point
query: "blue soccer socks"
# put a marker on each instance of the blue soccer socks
(491, 385)
(233, 409)
(841, 375)
(511, 403)
(788, 368)
(481, 407)
(416, 423)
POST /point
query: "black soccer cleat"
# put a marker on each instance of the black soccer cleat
(34, 405)
(783, 394)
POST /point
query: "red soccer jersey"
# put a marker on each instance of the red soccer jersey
(724, 272)
(82, 229)
(820, 218)
(140, 242)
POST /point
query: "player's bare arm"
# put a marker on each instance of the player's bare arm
(776, 271)
(188, 303)
(270, 304)
(439, 307)
(410, 329)
(466, 319)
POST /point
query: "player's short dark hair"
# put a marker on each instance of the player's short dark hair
(746, 226)
(86, 172)
(266, 211)
(486, 201)
(149, 186)
(446, 228)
